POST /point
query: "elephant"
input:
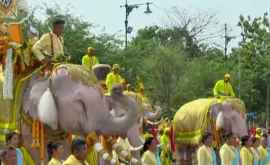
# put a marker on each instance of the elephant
(80, 106)
(211, 115)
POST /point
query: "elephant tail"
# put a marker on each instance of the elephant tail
(47, 110)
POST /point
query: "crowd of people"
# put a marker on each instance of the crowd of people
(248, 150)
(159, 147)
(156, 150)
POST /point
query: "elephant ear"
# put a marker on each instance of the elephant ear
(101, 71)
(32, 95)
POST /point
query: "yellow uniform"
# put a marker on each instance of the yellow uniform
(50, 46)
(89, 61)
(246, 156)
(227, 155)
(71, 160)
(112, 79)
(223, 89)
(204, 155)
(27, 157)
(264, 156)
(149, 158)
(92, 156)
(54, 162)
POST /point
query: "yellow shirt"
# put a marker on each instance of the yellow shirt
(54, 162)
(204, 155)
(149, 158)
(223, 89)
(92, 156)
(263, 154)
(246, 156)
(227, 155)
(113, 79)
(71, 160)
(89, 61)
(43, 47)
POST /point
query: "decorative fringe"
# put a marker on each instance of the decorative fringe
(42, 143)
(8, 76)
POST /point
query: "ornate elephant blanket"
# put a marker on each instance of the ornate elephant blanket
(10, 109)
(192, 119)
(79, 73)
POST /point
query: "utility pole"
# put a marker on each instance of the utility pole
(226, 42)
(227, 39)
(267, 105)
(129, 9)
(126, 23)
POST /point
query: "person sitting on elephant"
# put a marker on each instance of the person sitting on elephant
(50, 47)
(89, 60)
(113, 77)
(78, 153)
(224, 88)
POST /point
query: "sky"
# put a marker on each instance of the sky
(107, 16)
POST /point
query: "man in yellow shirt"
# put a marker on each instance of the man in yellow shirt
(224, 87)
(89, 60)
(263, 152)
(113, 77)
(245, 152)
(78, 153)
(227, 153)
(49, 48)
(204, 153)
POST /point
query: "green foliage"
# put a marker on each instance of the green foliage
(176, 69)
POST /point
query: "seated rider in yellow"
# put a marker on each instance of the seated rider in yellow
(113, 77)
(224, 87)
(89, 60)
(50, 47)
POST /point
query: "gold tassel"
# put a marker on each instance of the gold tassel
(42, 142)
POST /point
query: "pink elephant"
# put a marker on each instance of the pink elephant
(81, 107)
(195, 118)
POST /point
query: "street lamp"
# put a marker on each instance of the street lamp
(129, 8)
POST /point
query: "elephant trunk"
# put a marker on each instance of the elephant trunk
(121, 124)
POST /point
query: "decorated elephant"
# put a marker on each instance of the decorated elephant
(71, 101)
(197, 117)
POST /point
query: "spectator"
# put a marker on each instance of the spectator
(254, 150)
(245, 152)
(149, 149)
(78, 153)
(55, 152)
(227, 153)
(205, 152)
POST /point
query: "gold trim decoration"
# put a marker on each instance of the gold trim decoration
(7, 7)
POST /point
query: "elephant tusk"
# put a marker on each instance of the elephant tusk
(135, 148)
(153, 123)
